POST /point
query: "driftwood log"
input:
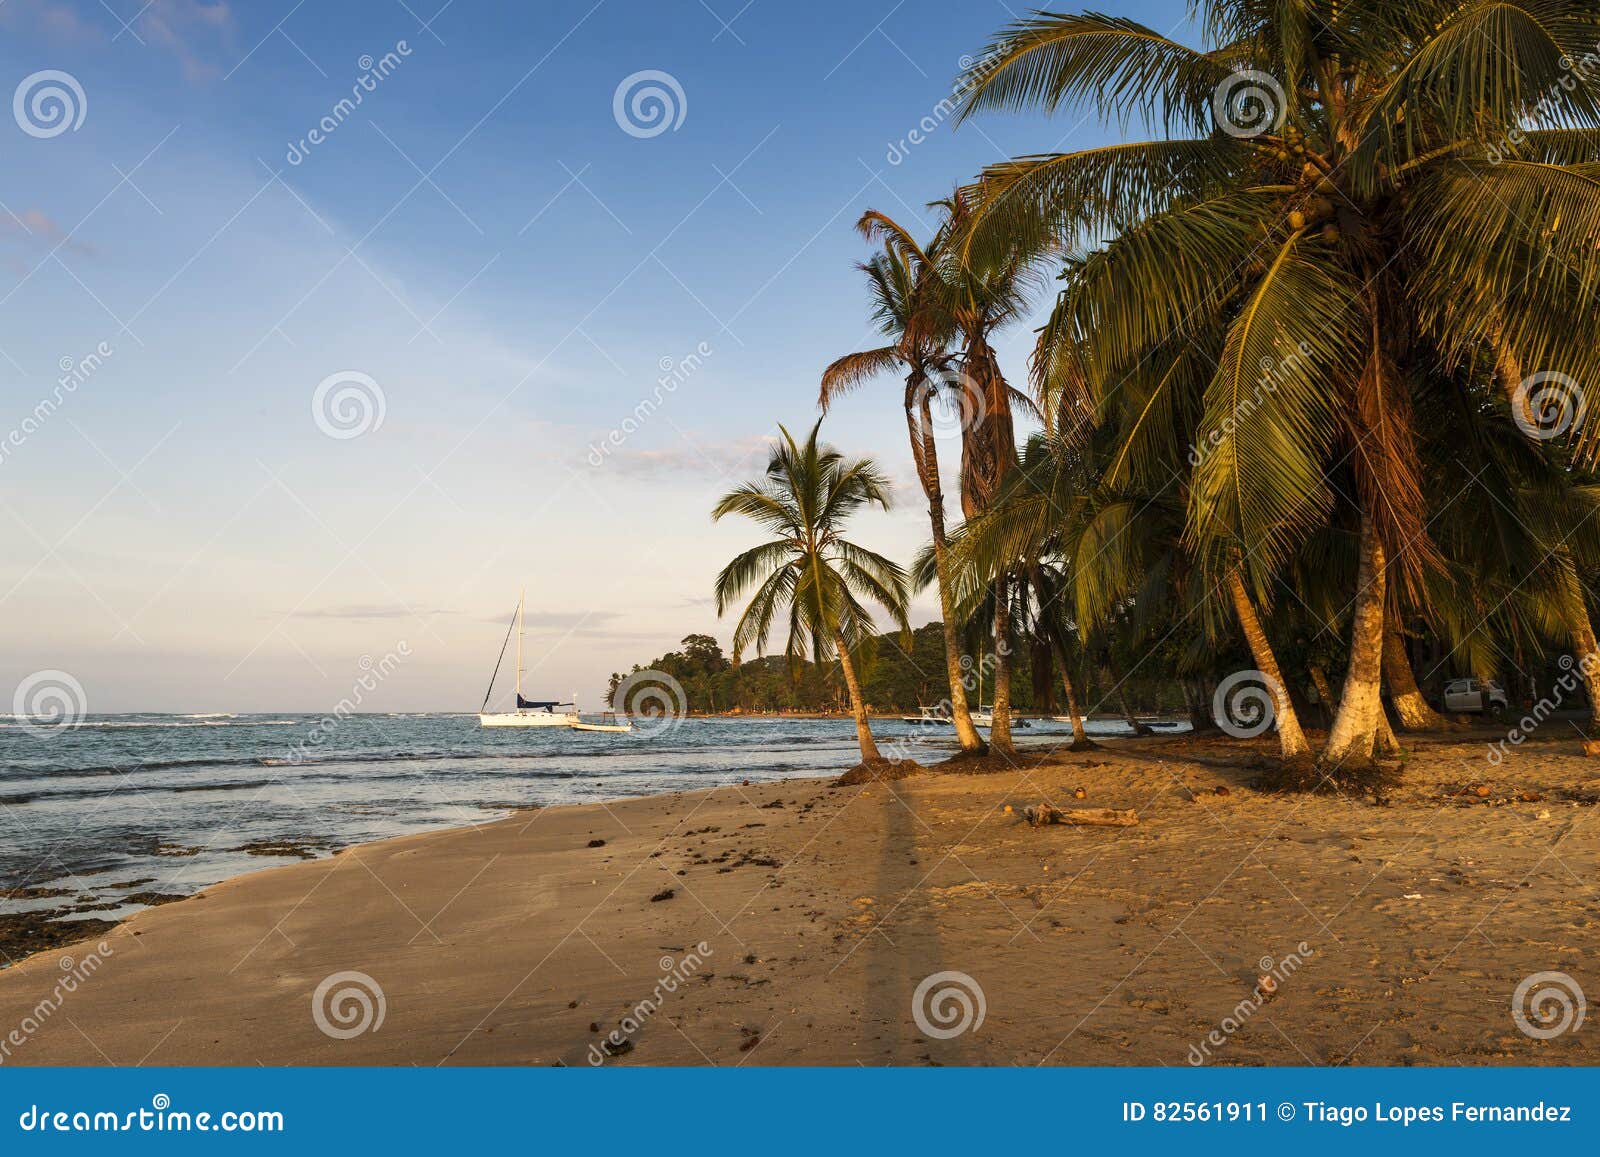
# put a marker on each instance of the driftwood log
(1093, 817)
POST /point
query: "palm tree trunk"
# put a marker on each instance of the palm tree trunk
(1115, 679)
(1415, 713)
(1000, 729)
(858, 704)
(1354, 735)
(1080, 736)
(928, 470)
(1574, 608)
(1291, 739)
(1385, 743)
(1575, 613)
(1319, 680)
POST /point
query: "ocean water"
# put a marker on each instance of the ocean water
(123, 806)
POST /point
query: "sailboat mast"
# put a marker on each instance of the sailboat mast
(520, 597)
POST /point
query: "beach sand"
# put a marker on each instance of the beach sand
(815, 913)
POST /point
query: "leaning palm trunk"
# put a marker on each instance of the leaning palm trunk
(928, 470)
(1126, 708)
(1575, 613)
(1415, 713)
(858, 703)
(1000, 729)
(1080, 736)
(1354, 735)
(1291, 739)
(1574, 609)
(1319, 680)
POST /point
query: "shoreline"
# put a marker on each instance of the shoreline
(821, 909)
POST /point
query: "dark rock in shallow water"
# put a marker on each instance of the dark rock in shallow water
(153, 898)
(22, 935)
(305, 849)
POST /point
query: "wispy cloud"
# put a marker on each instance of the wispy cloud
(189, 29)
(194, 31)
(733, 458)
(370, 612)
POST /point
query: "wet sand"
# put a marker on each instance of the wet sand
(793, 923)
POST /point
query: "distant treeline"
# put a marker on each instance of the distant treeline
(894, 679)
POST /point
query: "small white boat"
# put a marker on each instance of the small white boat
(529, 712)
(929, 716)
(984, 717)
(608, 722)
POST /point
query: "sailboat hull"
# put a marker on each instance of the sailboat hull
(528, 719)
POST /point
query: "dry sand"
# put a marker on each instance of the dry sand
(822, 909)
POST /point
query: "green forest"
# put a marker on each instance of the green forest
(895, 679)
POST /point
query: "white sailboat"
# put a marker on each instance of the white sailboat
(529, 712)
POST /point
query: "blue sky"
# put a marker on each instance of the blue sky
(503, 264)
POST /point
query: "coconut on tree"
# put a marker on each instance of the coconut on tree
(1343, 196)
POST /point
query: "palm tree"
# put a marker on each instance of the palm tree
(897, 279)
(1344, 193)
(809, 568)
(973, 300)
